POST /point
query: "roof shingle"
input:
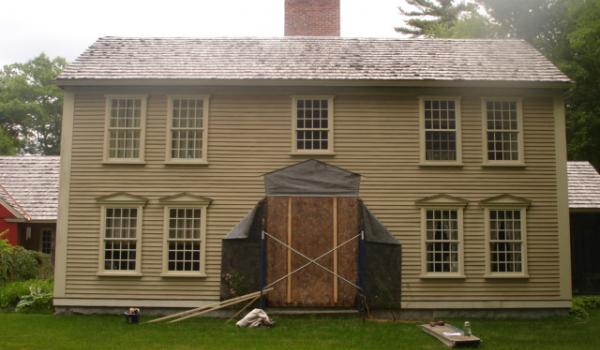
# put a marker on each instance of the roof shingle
(584, 186)
(310, 58)
(30, 185)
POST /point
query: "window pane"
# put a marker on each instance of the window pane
(120, 239)
(124, 128)
(187, 128)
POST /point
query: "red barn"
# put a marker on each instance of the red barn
(28, 201)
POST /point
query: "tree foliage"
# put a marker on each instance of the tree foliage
(31, 106)
(427, 16)
(565, 31)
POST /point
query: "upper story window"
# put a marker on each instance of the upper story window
(125, 128)
(503, 129)
(440, 135)
(187, 130)
(313, 124)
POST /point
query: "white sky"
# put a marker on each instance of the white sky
(67, 27)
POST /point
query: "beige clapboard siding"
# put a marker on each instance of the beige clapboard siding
(376, 135)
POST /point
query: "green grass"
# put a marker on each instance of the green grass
(39, 331)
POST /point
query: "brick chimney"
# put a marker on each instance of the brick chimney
(312, 17)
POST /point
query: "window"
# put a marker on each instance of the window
(185, 235)
(187, 130)
(506, 236)
(441, 241)
(506, 240)
(120, 234)
(121, 239)
(442, 236)
(503, 131)
(184, 239)
(441, 139)
(125, 128)
(47, 244)
(313, 124)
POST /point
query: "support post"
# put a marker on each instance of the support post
(361, 269)
(262, 272)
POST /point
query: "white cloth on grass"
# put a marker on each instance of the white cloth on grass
(255, 318)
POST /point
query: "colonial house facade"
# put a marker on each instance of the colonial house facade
(460, 145)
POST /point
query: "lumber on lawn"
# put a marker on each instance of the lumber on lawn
(210, 307)
(451, 340)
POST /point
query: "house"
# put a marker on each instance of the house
(453, 148)
(29, 200)
(584, 205)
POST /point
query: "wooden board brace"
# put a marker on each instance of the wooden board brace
(314, 261)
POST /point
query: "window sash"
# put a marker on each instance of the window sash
(187, 128)
(503, 130)
(124, 127)
(184, 242)
(313, 124)
(440, 130)
(120, 239)
(506, 255)
(47, 242)
(442, 241)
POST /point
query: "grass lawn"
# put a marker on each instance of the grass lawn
(38, 331)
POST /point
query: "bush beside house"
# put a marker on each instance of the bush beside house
(25, 279)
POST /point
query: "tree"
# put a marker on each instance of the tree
(428, 16)
(8, 144)
(31, 104)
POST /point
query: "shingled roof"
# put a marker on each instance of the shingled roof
(310, 58)
(29, 185)
(584, 186)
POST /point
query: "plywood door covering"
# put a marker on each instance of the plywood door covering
(313, 225)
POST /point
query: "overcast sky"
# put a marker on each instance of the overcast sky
(67, 27)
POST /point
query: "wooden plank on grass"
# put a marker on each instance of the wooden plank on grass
(447, 334)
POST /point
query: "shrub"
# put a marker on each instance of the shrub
(36, 301)
(20, 264)
(11, 292)
(582, 305)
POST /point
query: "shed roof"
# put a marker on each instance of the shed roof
(30, 185)
(312, 59)
(584, 186)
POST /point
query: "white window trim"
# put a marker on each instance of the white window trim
(422, 144)
(108, 106)
(121, 200)
(330, 124)
(205, 125)
(138, 239)
(488, 263)
(520, 131)
(185, 200)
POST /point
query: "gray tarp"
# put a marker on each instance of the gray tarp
(312, 178)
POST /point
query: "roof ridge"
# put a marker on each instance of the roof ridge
(316, 38)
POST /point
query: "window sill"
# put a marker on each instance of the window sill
(315, 153)
(505, 276)
(118, 274)
(183, 274)
(124, 162)
(185, 162)
(441, 276)
(441, 164)
(513, 165)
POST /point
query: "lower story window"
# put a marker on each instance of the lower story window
(442, 240)
(120, 239)
(506, 240)
(184, 240)
(47, 241)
